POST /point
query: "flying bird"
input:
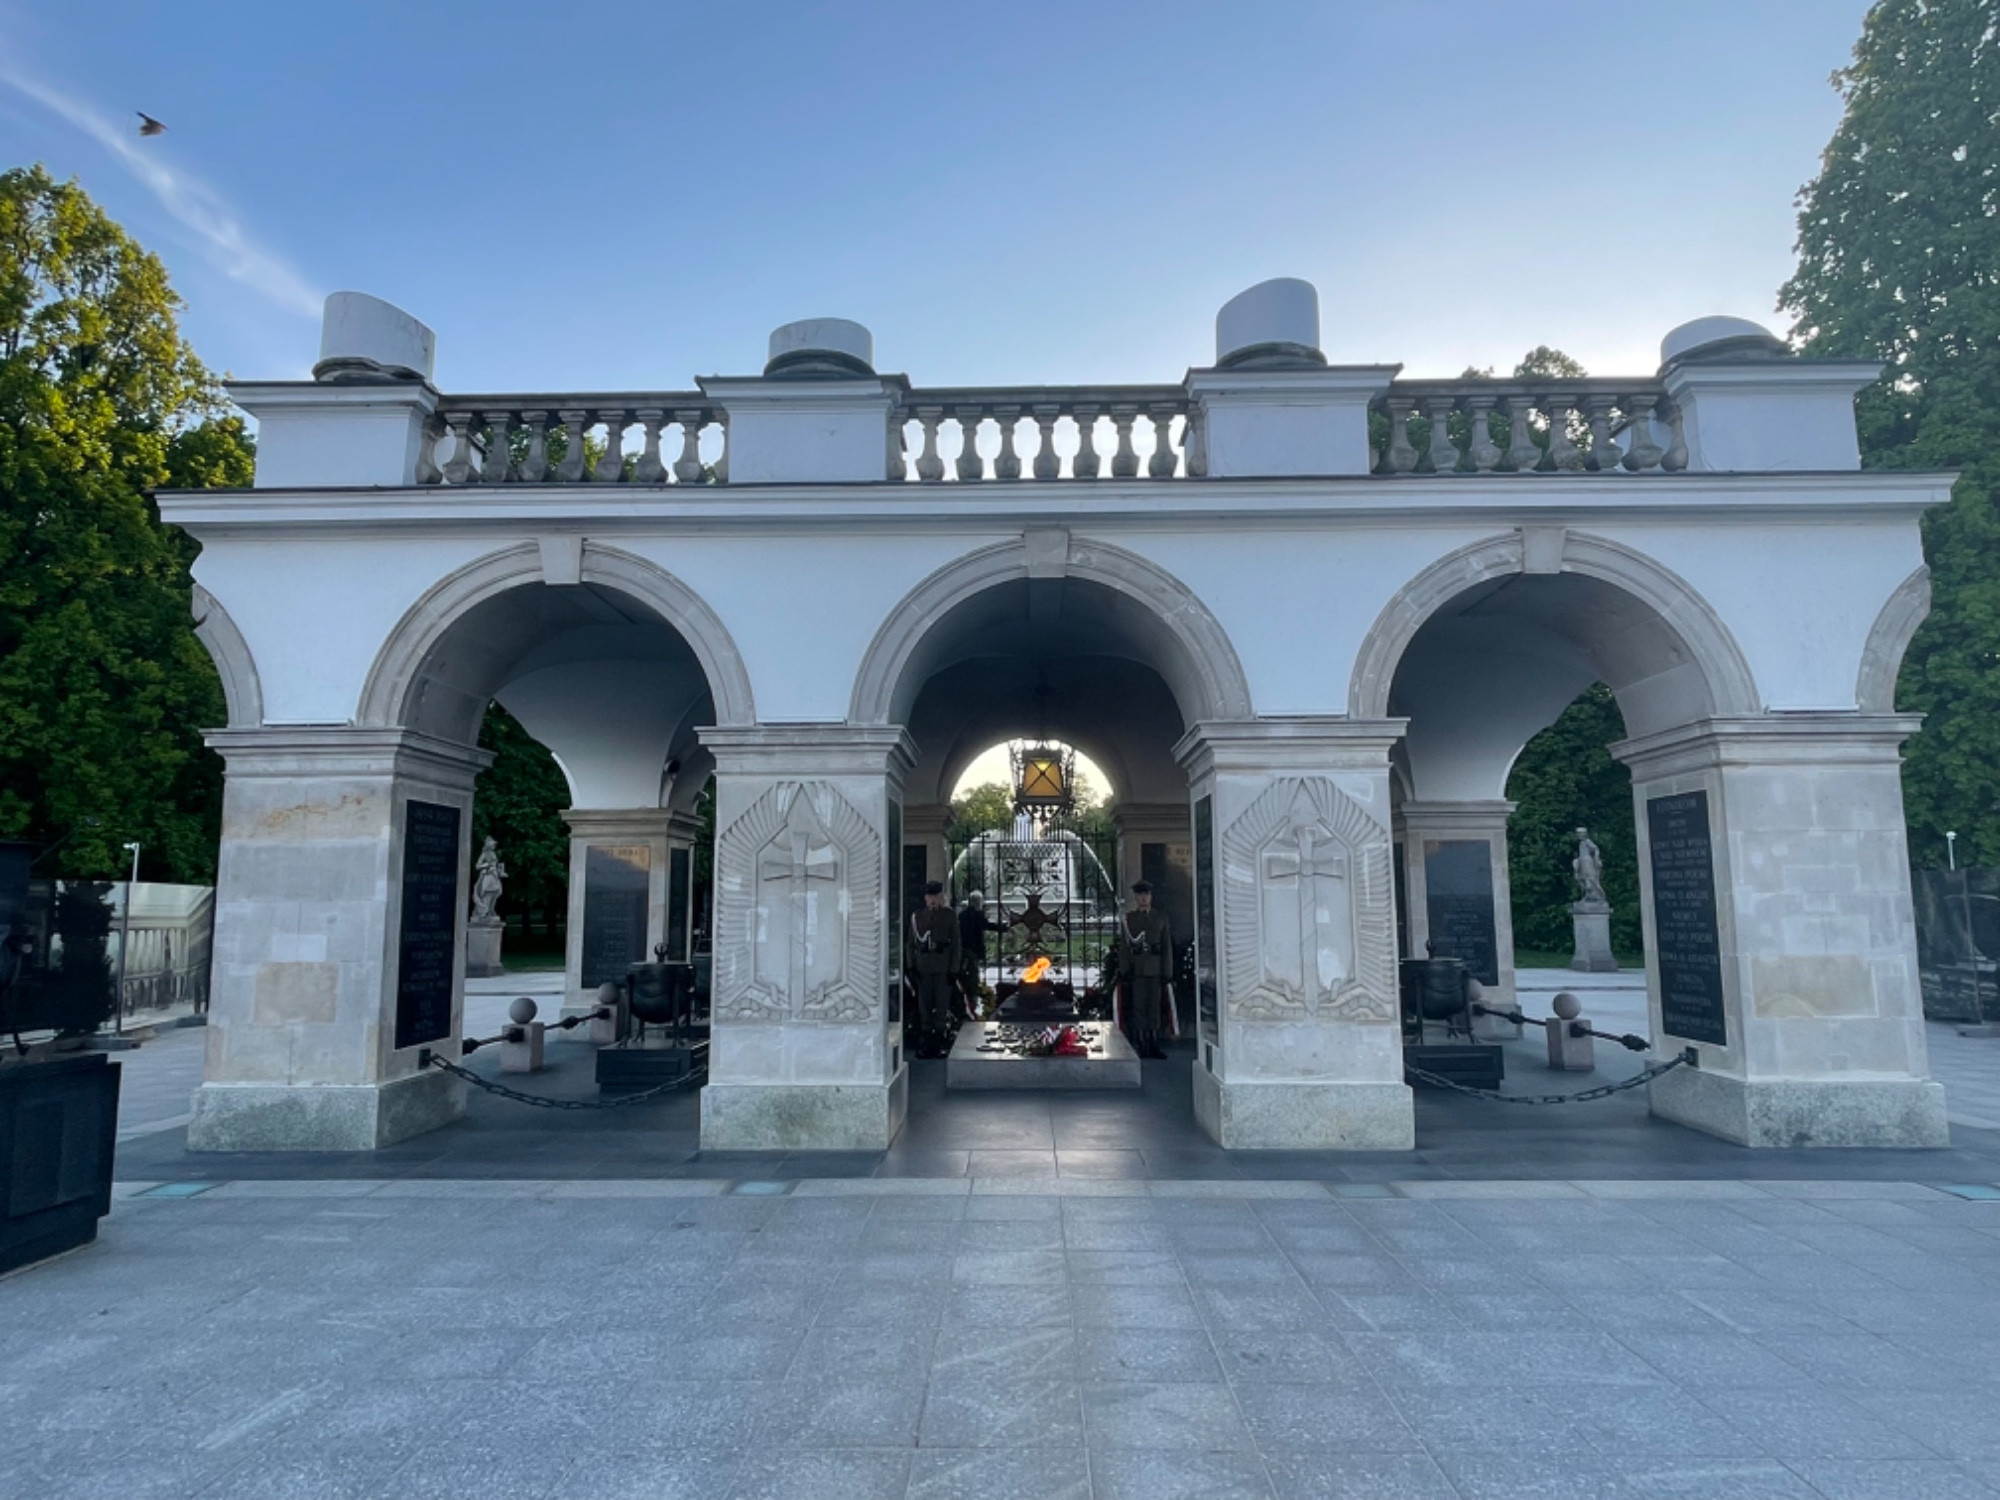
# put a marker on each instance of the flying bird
(148, 125)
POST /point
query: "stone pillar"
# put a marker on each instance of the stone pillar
(806, 1047)
(340, 920)
(1460, 897)
(678, 917)
(926, 826)
(1779, 935)
(1307, 1053)
(618, 869)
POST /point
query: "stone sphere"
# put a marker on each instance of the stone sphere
(1718, 337)
(1273, 324)
(1475, 991)
(821, 346)
(607, 992)
(1566, 1006)
(522, 1011)
(364, 338)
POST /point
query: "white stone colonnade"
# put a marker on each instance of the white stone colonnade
(1292, 642)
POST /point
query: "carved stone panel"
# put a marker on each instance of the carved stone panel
(799, 909)
(1308, 911)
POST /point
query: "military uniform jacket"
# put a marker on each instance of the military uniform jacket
(934, 940)
(1146, 946)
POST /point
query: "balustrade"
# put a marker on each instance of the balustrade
(1527, 427)
(1149, 425)
(507, 440)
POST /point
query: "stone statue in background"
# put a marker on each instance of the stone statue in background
(488, 874)
(1589, 866)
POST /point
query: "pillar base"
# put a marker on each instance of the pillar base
(804, 1116)
(1305, 1116)
(1897, 1113)
(322, 1117)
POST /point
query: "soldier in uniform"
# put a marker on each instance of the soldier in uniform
(934, 954)
(973, 925)
(1145, 964)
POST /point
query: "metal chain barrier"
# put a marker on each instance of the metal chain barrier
(429, 1059)
(1602, 1091)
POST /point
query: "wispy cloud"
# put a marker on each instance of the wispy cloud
(217, 231)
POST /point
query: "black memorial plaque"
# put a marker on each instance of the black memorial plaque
(1458, 902)
(617, 882)
(427, 942)
(680, 875)
(1689, 948)
(1205, 956)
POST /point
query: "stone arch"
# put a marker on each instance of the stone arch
(1207, 671)
(1732, 688)
(1888, 640)
(394, 677)
(241, 691)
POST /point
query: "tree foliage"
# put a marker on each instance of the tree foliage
(1564, 780)
(1899, 260)
(519, 802)
(104, 690)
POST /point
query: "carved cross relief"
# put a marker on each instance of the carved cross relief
(798, 909)
(1308, 915)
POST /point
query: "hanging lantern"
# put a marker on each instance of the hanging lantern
(1044, 777)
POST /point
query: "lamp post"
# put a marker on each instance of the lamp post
(1950, 849)
(124, 944)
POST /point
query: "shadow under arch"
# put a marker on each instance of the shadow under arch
(1688, 621)
(391, 697)
(1197, 660)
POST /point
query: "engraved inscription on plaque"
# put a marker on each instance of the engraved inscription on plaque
(680, 875)
(1458, 902)
(427, 937)
(1684, 927)
(1204, 915)
(617, 880)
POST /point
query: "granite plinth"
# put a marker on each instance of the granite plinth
(482, 950)
(1112, 1063)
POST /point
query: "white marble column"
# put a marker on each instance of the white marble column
(1307, 1053)
(316, 960)
(803, 1054)
(1425, 827)
(1818, 1037)
(631, 845)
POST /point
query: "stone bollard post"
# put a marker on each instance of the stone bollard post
(524, 1055)
(609, 1028)
(1569, 1054)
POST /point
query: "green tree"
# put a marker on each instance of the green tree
(1564, 780)
(1899, 260)
(989, 805)
(519, 802)
(104, 690)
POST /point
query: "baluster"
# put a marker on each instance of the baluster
(970, 465)
(722, 458)
(1442, 456)
(649, 469)
(428, 471)
(1194, 438)
(611, 468)
(687, 468)
(1604, 455)
(1048, 462)
(930, 463)
(1086, 463)
(495, 469)
(1007, 463)
(534, 467)
(1522, 454)
(897, 468)
(1164, 460)
(570, 470)
(1562, 455)
(1480, 447)
(1401, 456)
(1642, 451)
(1125, 462)
(1675, 458)
(459, 468)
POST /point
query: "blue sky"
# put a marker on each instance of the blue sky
(625, 196)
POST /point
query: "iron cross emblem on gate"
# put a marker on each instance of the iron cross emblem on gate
(1315, 871)
(795, 872)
